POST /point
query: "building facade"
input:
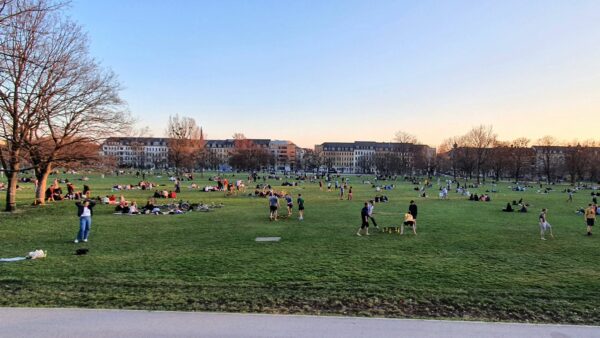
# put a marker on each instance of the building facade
(359, 156)
(140, 152)
(151, 152)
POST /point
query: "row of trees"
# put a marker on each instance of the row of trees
(56, 102)
(480, 154)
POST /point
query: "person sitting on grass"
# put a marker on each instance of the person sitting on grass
(408, 221)
(133, 209)
(150, 204)
(523, 208)
(508, 208)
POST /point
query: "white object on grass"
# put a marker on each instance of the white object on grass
(268, 239)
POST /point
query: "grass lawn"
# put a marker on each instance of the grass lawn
(469, 259)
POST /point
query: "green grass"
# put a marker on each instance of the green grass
(469, 259)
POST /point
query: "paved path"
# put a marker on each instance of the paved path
(26, 322)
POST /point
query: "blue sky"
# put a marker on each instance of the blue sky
(315, 71)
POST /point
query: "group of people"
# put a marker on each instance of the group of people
(367, 212)
(274, 206)
(55, 193)
(482, 198)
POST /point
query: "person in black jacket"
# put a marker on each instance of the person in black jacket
(364, 216)
(85, 212)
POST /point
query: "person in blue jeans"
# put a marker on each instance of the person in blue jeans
(85, 212)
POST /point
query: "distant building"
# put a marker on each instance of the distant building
(348, 157)
(152, 152)
(140, 152)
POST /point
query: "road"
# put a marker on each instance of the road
(38, 322)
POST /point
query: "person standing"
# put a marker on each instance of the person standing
(364, 217)
(85, 212)
(413, 210)
(570, 199)
(300, 207)
(544, 225)
(177, 186)
(290, 204)
(371, 207)
(273, 205)
(341, 192)
(321, 185)
(350, 193)
(590, 218)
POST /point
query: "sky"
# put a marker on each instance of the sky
(345, 70)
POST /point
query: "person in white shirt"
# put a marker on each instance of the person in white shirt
(85, 212)
(370, 209)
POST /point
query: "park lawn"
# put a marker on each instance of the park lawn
(469, 260)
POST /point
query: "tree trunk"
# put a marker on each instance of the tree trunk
(11, 190)
(42, 176)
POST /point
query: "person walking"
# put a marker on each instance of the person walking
(570, 199)
(370, 208)
(413, 210)
(84, 212)
(364, 217)
(300, 207)
(544, 225)
(341, 192)
(590, 218)
(273, 205)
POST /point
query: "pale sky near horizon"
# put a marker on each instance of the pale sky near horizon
(345, 70)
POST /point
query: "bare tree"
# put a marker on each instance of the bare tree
(547, 157)
(520, 156)
(9, 9)
(247, 155)
(365, 163)
(499, 160)
(313, 159)
(185, 142)
(81, 106)
(447, 156)
(576, 161)
(481, 139)
(593, 160)
(405, 151)
(38, 65)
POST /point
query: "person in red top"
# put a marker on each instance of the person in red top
(172, 194)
